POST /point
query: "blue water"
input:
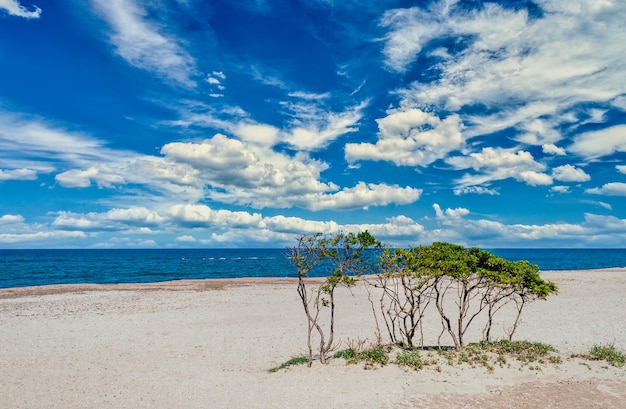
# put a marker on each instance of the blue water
(19, 268)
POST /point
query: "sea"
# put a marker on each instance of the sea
(20, 268)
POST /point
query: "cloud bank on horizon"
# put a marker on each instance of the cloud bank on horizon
(244, 124)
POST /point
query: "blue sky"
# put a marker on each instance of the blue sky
(196, 123)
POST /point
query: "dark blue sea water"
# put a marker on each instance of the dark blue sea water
(19, 268)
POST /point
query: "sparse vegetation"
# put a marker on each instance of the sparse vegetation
(341, 257)
(371, 357)
(464, 285)
(532, 355)
(478, 283)
(607, 353)
(298, 360)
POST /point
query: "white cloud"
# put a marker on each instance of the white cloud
(569, 173)
(114, 219)
(398, 227)
(23, 136)
(196, 215)
(141, 42)
(14, 8)
(533, 178)
(406, 37)
(560, 189)
(610, 189)
(314, 128)
(51, 237)
(237, 167)
(499, 164)
(102, 175)
(552, 149)
(621, 168)
(534, 72)
(600, 143)
(260, 134)
(479, 190)
(11, 219)
(362, 196)
(457, 213)
(186, 239)
(18, 174)
(410, 138)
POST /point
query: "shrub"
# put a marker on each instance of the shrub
(607, 353)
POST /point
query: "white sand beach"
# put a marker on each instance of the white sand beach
(210, 343)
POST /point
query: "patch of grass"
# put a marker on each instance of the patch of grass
(412, 359)
(298, 360)
(523, 351)
(532, 355)
(350, 355)
(448, 354)
(378, 356)
(607, 353)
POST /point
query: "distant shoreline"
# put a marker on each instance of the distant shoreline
(208, 284)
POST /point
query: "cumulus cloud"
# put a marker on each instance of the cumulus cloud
(186, 239)
(18, 174)
(457, 213)
(14, 8)
(498, 164)
(211, 226)
(560, 189)
(142, 42)
(552, 149)
(362, 196)
(569, 173)
(231, 164)
(593, 230)
(600, 143)
(410, 138)
(196, 215)
(609, 189)
(252, 174)
(621, 168)
(533, 178)
(114, 219)
(102, 175)
(11, 219)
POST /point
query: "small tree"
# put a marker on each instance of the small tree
(342, 258)
(405, 295)
(476, 280)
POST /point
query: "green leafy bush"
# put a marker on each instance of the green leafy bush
(607, 353)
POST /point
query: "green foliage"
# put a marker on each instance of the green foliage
(607, 353)
(378, 356)
(341, 257)
(298, 360)
(411, 359)
(523, 351)
(478, 279)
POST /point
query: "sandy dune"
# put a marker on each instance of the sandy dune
(208, 344)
